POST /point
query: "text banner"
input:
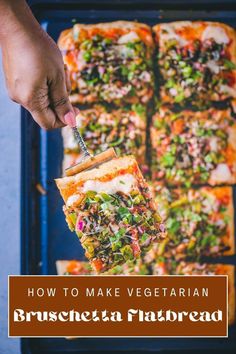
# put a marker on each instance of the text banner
(124, 306)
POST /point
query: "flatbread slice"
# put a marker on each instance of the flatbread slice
(197, 62)
(112, 212)
(198, 222)
(102, 128)
(194, 147)
(109, 62)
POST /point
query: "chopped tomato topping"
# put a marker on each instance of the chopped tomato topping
(178, 126)
(189, 32)
(71, 59)
(230, 77)
(74, 267)
(135, 246)
(230, 155)
(97, 264)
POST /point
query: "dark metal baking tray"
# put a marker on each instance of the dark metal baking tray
(44, 234)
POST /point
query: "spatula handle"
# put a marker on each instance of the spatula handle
(81, 142)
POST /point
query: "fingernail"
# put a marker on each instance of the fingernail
(76, 110)
(70, 119)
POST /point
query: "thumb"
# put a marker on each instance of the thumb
(59, 101)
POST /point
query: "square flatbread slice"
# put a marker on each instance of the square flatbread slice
(198, 222)
(123, 129)
(197, 62)
(112, 212)
(109, 62)
(194, 147)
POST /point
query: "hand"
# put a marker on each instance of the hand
(35, 75)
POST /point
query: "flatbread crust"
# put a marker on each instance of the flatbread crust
(186, 138)
(66, 40)
(105, 172)
(184, 34)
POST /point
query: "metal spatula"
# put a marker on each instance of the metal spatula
(88, 160)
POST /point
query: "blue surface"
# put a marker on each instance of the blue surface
(45, 237)
(9, 208)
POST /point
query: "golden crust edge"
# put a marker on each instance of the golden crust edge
(67, 34)
(67, 185)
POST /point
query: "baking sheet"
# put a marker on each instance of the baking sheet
(45, 236)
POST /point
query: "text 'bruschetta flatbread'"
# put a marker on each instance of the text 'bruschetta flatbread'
(112, 211)
(194, 147)
(110, 62)
(198, 222)
(197, 62)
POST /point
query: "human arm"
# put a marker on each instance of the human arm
(33, 66)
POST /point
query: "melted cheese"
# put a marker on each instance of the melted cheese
(213, 66)
(124, 184)
(73, 199)
(81, 63)
(169, 33)
(217, 33)
(214, 143)
(129, 37)
(221, 173)
(228, 90)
